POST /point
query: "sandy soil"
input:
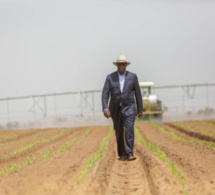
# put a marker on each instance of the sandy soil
(147, 175)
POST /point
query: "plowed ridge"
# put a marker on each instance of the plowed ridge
(84, 161)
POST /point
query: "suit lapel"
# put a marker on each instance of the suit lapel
(117, 79)
(126, 81)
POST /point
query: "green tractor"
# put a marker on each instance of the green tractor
(151, 105)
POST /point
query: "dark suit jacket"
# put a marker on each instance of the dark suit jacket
(112, 96)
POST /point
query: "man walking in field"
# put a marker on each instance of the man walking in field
(122, 89)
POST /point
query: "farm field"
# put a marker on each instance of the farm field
(172, 158)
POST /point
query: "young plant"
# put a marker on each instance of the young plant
(161, 155)
(94, 157)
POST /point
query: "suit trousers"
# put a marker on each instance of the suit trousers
(124, 130)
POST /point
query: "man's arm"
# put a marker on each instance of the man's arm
(138, 97)
(105, 98)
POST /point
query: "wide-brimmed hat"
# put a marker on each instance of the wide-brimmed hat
(121, 59)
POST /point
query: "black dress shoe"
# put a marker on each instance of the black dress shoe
(123, 158)
(131, 158)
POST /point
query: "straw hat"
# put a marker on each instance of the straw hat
(121, 59)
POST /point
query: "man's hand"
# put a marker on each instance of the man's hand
(106, 113)
(139, 114)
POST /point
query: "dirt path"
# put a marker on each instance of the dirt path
(146, 175)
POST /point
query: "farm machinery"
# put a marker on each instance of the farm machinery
(152, 107)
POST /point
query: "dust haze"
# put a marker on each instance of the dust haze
(58, 46)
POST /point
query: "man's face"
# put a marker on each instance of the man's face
(121, 67)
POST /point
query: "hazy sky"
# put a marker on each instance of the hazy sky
(69, 45)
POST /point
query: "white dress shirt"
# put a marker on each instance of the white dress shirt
(121, 81)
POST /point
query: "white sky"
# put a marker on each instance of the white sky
(69, 45)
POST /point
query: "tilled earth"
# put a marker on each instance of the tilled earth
(58, 161)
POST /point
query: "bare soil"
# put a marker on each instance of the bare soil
(147, 175)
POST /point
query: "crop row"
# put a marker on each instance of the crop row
(30, 138)
(13, 136)
(35, 143)
(204, 123)
(94, 157)
(207, 144)
(162, 156)
(15, 166)
(191, 129)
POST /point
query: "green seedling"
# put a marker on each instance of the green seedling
(10, 137)
(33, 144)
(28, 161)
(13, 167)
(191, 129)
(31, 160)
(204, 143)
(72, 140)
(45, 155)
(94, 157)
(161, 155)
(206, 124)
(171, 134)
(3, 172)
(210, 124)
